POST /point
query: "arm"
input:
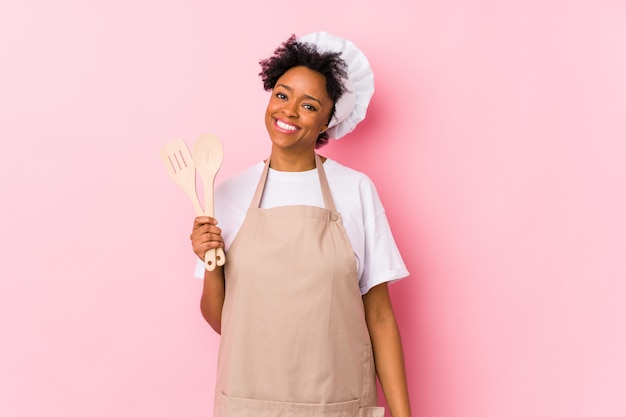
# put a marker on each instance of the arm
(204, 236)
(213, 298)
(387, 348)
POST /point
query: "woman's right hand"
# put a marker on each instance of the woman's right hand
(205, 235)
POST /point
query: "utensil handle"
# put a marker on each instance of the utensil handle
(209, 207)
(195, 201)
(209, 260)
(220, 256)
(211, 257)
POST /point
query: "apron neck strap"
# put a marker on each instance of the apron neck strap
(328, 200)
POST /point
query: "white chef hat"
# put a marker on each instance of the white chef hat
(351, 108)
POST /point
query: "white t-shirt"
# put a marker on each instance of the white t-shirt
(354, 195)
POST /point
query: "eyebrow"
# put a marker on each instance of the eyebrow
(286, 87)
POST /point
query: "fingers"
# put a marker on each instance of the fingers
(205, 235)
(206, 232)
(201, 220)
(205, 225)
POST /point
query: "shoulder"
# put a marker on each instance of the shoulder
(354, 192)
(248, 175)
(239, 186)
(344, 174)
(350, 180)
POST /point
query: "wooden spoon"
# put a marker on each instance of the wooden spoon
(208, 155)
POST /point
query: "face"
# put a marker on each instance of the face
(298, 110)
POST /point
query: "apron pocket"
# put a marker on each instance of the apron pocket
(246, 407)
(371, 412)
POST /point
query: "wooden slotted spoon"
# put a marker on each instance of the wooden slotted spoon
(179, 164)
(208, 155)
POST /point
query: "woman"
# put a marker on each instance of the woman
(302, 302)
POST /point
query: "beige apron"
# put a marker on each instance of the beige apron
(294, 339)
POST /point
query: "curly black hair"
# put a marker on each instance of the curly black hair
(291, 54)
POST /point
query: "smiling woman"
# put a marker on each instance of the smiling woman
(302, 300)
(298, 112)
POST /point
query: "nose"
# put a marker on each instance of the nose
(290, 109)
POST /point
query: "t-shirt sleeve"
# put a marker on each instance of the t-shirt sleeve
(198, 270)
(382, 261)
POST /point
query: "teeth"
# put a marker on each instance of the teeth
(285, 126)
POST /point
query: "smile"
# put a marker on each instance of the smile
(286, 126)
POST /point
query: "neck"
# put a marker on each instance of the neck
(280, 161)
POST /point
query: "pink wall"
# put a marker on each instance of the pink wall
(496, 138)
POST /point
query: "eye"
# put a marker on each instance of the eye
(309, 107)
(281, 96)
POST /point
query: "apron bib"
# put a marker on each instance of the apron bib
(294, 339)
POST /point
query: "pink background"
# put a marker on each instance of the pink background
(496, 138)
